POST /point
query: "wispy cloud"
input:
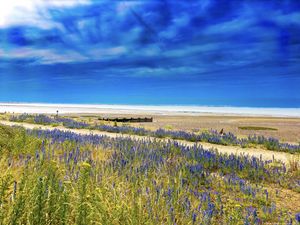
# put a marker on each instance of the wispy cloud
(116, 29)
(152, 38)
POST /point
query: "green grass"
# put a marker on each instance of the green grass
(169, 127)
(88, 116)
(151, 185)
(256, 128)
(4, 116)
(15, 141)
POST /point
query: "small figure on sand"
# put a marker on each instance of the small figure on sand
(222, 131)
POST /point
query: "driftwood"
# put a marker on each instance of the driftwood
(129, 120)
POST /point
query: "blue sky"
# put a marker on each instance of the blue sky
(209, 52)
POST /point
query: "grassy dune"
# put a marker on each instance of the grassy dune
(211, 136)
(55, 177)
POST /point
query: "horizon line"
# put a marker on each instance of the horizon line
(146, 105)
(142, 109)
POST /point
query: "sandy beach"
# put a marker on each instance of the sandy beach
(284, 122)
(148, 109)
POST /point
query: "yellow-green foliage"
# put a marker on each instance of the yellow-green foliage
(257, 128)
(15, 141)
(169, 127)
(4, 116)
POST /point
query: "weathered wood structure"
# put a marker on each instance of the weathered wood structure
(129, 120)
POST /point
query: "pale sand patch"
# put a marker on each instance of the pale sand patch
(148, 109)
(257, 152)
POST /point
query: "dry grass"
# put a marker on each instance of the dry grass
(285, 198)
(101, 155)
(294, 164)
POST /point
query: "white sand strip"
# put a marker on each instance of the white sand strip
(147, 109)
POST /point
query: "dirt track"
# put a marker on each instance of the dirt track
(265, 154)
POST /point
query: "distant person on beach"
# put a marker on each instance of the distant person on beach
(222, 131)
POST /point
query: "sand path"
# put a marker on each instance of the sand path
(257, 152)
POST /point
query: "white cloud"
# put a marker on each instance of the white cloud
(101, 53)
(235, 25)
(124, 6)
(44, 56)
(24, 12)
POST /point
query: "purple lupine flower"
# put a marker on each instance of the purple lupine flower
(297, 217)
(194, 217)
(267, 194)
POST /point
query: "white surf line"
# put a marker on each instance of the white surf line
(256, 152)
(149, 109)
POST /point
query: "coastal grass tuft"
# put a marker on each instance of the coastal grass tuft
(257, 128)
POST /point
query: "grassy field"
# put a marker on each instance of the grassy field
(56, 177)
(257, 128)
(288, 129)
(209, 136)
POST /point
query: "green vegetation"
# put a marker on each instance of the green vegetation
(4, 116)
(257, 128)
(56, 177)
(169, 127)
(15, 141)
